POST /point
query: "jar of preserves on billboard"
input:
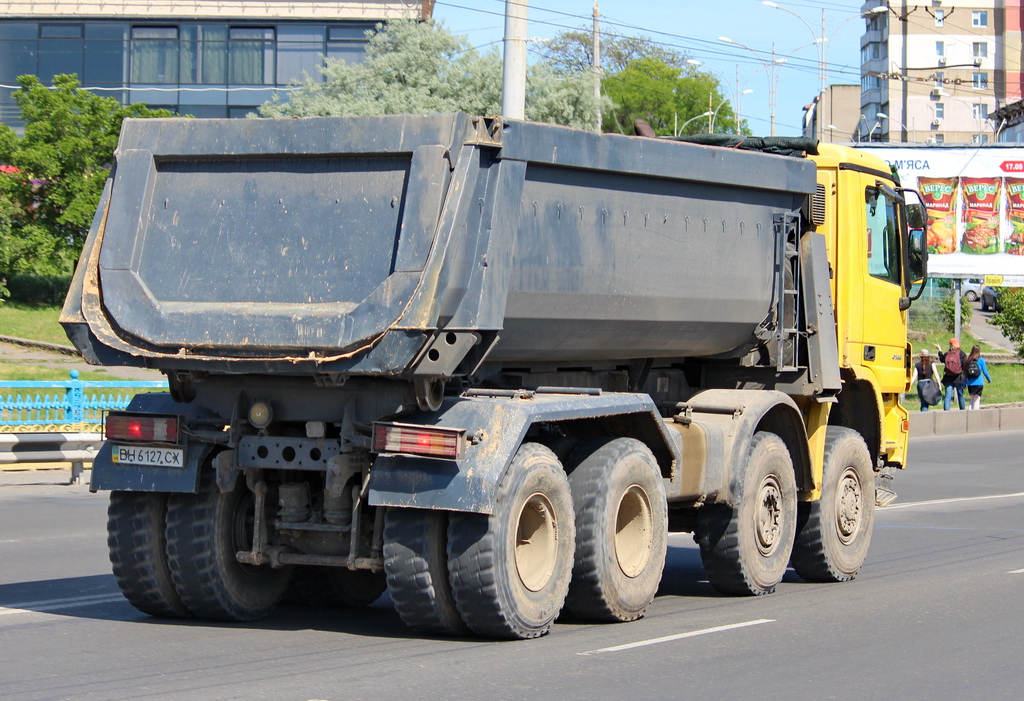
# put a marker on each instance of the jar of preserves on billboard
(981, 214)
(940, 205)
(1014, 242)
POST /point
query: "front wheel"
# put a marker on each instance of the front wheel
(510, 569)
(835, 531)
(746, 547)
(621, 532)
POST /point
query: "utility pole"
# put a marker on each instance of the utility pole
(596, 65)
(513, 88)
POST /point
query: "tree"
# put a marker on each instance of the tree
(55, 172)
(666, 97)
(421, 67)
(1011, 319)
(573, 51)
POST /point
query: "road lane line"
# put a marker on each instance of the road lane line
(58, 604)
(1015, 572)
(680, 636)
(911, 504)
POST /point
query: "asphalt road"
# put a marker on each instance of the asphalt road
(935, 614)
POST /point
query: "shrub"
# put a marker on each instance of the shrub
(34, 289)
(1011, 320)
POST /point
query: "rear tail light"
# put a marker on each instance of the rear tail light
(141, 428)
(418, 440)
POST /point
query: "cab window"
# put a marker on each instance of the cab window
(882, 236)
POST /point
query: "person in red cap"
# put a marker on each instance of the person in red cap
(955, 361)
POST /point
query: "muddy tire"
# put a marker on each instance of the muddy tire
(416, 563)
(746, 547)
(337, 587)
(135, 538)
(834, 533)
(204, 531)
(621, 533)
(510, 570)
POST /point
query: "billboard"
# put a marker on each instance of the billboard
(974, 197)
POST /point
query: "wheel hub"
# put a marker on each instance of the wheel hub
(634, 531)
(769, 515)
(536, 550)
(849, 499)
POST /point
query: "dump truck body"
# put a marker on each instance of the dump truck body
(387, 334)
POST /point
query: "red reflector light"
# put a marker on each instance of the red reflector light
(418, 440)
(141, 428)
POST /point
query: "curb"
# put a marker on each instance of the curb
(41, 345)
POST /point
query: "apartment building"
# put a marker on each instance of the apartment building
(832, 116)
(206, 58)
(933, 72)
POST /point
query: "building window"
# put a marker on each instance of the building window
(251, 55)
(940, 17)
(870, 82)
(979, 110)
(940, 139)
(154, 55)
(979, 81)
(979, 18)
(940, 48)
(979, 139)
(940, 110)
(980, 49)
(60, 31)
(939, 79)
(204, 54)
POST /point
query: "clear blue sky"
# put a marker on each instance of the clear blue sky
(693, 27)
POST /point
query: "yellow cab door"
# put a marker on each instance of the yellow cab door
(883, 337)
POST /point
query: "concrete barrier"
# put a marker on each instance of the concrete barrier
(1008, 417)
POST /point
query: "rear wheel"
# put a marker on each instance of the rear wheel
(135, 537)
(746, 547)
(621, 532)
(510, 570)
(337, 587)
(416, 563)
(204, 531)
(835, 531)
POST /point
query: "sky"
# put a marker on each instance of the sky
(694, 27)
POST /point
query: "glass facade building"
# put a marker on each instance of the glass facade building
(204, 69)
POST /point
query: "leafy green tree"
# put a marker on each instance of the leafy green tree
(666, 97)
(421, 67)
(55, 172)
(1011, 319)
(948, 307)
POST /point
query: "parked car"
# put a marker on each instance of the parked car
(990, 299)
(971, 289)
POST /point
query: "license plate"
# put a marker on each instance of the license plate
(147, 456)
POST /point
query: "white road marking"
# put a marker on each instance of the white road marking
(1015, 572)
(58, 604)
(912, 504)
(680, 636)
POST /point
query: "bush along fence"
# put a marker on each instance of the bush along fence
(36, 417)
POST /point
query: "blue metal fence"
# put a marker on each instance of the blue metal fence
(70, 404)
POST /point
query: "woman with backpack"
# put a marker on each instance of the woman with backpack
(926, 374)
(976, 372)
(954, 360)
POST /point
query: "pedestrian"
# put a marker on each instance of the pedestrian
(976, 372)
(954, 360)
(926, 375)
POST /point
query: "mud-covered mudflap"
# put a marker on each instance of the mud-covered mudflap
(108, 474)
(495, 425)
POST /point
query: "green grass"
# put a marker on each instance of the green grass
(27, 372)
(32, 322)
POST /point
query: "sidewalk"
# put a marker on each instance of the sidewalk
(26, 355)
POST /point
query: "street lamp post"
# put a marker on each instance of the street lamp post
(711, 127)
(769, 68)
(702, 115)
(819, 40)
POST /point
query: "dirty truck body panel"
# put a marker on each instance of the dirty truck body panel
(403, 347)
